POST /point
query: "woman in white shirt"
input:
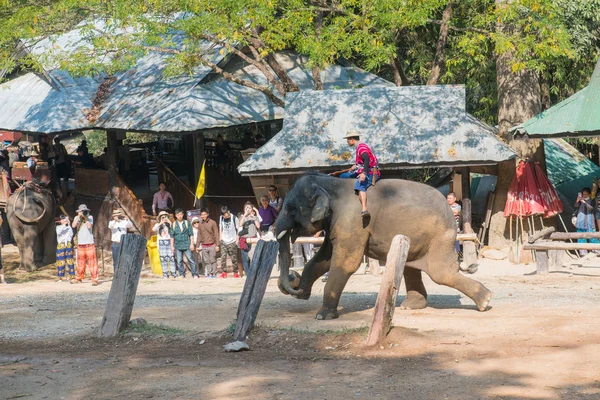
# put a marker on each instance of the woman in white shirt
(64, 248)
(118, 227)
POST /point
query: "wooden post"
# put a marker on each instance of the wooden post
(298, 257)
(388, 291)
(541, 257)
(124, 286)
(111, 153)
(374, 266)
(257, 278)
(469, 248)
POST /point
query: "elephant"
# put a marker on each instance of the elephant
(30, 213)
(396, 206)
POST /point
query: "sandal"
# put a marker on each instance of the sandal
(365, 214)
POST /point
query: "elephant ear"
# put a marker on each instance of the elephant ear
(320, 204)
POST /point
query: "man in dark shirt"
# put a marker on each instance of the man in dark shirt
(208, 239)
(267, 213)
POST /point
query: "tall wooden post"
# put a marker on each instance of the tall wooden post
(469, 248)
(111, 153)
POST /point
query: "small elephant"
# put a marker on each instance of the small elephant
(30, 213)
(415, 210)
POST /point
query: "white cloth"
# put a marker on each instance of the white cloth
(228, 229)
(64, 234)
(85, 235)
(195, 231)
(118, 229)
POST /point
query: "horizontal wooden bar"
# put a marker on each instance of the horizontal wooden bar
(461, 237)
(574, 235)
(561, 246)
(543, 233)
(466, 237)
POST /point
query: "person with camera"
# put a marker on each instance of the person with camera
(181, 243)
(229, 241)
(250, 228)
(118, 227)
(83, 224)
(64, 248)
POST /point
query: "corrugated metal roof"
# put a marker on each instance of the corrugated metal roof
(566, 165)
(579, 115)
(141, 99)
(407, 127)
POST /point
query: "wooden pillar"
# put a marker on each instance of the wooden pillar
(198, 149)
(124, 285)
(469, 248)
(388, 291)
(111, 153)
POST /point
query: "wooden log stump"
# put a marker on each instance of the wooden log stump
(388, 291)
(265, 256)
(374, 266)
(124, 285)
(541, 234)
(541, 261)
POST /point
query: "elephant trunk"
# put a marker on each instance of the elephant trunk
(284, 264)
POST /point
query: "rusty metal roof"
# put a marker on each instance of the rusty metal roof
(578, 115)
(141, 99)
(407, 127)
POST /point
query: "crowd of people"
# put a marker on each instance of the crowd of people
(586, 217)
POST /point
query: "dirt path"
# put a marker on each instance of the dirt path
(540, 340)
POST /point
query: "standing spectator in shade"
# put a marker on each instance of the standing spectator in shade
(163, 241)
(181, 243)
(208, 240)
(62, 168)
(222, 153)
(228, 224)
(250, 227)
(456, 210)
(64, 248)
(86, 250)
(2, 281)
(118, 227)
(267, 213)
(161, 199)
(275, 200)
(585, 216)
(197, 249)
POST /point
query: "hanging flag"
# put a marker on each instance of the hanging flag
(201, 182)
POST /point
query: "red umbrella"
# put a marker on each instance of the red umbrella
(552, 204)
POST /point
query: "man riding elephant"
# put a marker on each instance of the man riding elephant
(418, 211)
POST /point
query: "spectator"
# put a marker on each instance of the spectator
(118, 227)
(83, 146)
(267, 213)
(32, 161)
(86, 250)
(275, 200)
(197, 249)
(229, 241)
(160, 202)
(103, 159)
(456, 209)
(208, 240)
(250, 226)
(13, 155)
(222, 153)
(2, 281)
(85, 159)
(43, 148)
(181, 243)
(585, 217)
(4, 165)
(163, 241)
(62, 168)
(64, 248)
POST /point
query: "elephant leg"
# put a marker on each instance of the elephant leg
(442, 267)
(49, 245)
(38, 247)
(345, 261)
(314, 269)
(29, 248)
(17, 234)
(416, 295)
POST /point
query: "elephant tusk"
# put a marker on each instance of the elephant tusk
(281, 235)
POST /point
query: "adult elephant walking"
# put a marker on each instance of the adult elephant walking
(30, 213)
(415, 210)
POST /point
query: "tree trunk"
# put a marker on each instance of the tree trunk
(519, 99)
(400, 78)
(439, 58)
(111, 154)
(316, 72)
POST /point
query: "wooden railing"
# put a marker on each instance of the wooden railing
(134, 208)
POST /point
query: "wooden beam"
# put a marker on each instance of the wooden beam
(461, 237)
(388, 291)
(112, 152)
(561, 246)
(543, 233)
(574, 235)
(124, 285)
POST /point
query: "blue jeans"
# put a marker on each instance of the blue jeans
(359, 186)
(115, 253)
(246, 259)
(188, 254)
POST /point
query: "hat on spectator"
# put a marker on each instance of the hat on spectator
(117, 212)
(195, 219)
(160, 214)
(82, 207)
(352, 134)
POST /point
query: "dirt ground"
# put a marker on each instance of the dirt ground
(540, 339)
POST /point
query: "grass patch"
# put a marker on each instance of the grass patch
(153, 329)
(231, 327)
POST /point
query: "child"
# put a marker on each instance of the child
(64, 248)
(167, 260)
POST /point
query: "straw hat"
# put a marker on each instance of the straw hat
(160, 214)
(195, 219)
(82, 207)
(352, 134)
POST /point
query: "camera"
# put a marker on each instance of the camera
(85, 213)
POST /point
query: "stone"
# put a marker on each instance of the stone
(494, 254)
(138, 322)
(236, 346)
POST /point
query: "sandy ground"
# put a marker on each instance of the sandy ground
(540, 339)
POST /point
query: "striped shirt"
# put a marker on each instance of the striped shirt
(360, 149)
